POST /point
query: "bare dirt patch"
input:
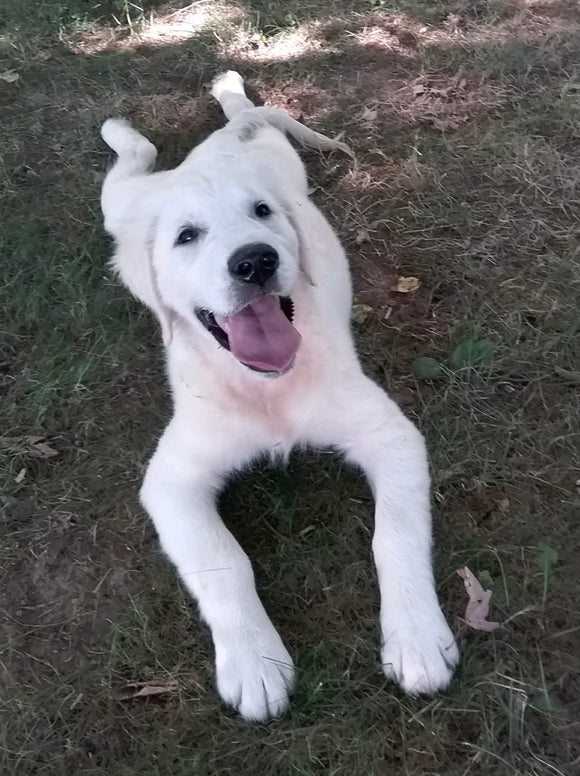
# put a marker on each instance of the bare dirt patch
(63, 585)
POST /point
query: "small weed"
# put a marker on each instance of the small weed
(547, 558)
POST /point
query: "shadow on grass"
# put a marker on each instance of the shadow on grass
(50, 18)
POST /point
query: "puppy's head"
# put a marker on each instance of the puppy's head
(225, 258)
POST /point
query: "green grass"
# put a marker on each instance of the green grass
(470, 185)
(50, 17)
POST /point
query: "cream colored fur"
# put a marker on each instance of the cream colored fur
(226, 416)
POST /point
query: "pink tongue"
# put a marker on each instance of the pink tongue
(261, 336)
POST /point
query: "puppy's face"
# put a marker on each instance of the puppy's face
(226, 259)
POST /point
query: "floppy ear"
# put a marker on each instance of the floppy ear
(294, 202)
(293, 214)
(133, 262)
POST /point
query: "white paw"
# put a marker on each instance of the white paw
(255, 675)
(119, 135)
(419, 653)
(229, 81)
(114, 131)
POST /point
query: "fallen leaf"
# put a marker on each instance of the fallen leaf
(360, 312)
(452, 23)
(33, 446)
(10, 76)
(38, 448)
(17, 509)
(407, 285)
(486, 579)
(503, 505)
(426, 368)
(477, 610)
(62, 521)
(444, 125)
(407, 38)
(441, 92)
(369, 115)
(572, 377)
(146, 689)
(419, 89)
(362, 236)
(472, 351)
(20, 476)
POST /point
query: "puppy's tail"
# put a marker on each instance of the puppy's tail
(228, 89)
(136, 154)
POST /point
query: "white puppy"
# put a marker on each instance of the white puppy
(252, 291)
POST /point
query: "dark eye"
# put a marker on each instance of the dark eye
(262, 210)
(188, 234)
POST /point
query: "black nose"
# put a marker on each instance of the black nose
(255, 263)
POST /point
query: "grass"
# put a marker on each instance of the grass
(466, 177)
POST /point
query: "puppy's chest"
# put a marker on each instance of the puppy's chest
(263, 413)
(284, 408)
(276, 415)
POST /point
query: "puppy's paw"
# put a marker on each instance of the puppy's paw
(230, 81)
(419, 654)
(125, 141)
(255, 675)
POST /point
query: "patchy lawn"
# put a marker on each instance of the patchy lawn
(465, 120)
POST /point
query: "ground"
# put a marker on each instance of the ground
(465, 121)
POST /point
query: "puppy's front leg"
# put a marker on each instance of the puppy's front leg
(254, 670)
(418, 648)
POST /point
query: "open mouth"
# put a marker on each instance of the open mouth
(261, 335)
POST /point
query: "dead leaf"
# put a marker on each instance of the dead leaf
(362, 236)
(20, 476)
(360, 312)
(407, 38)
(503, 505)
(407, 285)
(445, 125)
(369, 115)
(18, 509)
(33, 446)
(477, 610)
(133, 690)
(441, 92)
(38, 448)
(572, 377)
(10, 76)
(452, 23)
(61, 522)
(419, 89)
